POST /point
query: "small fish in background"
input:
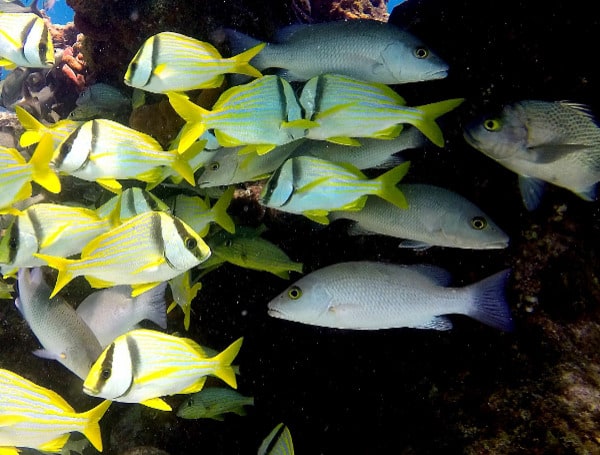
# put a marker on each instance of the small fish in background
(368, 50)
(101, 100)
(277, 442)
(246, 248)
(64, 335)
(39, 418)
(260, 115)
(143, 365)
(556, 142)
(25, 41)
(12, 86)
(131, 202)
(16, 174)
(314, 187)
(112, 312)
(214, 403)
(435, 217)
(365, 295)
(174, 62)
(344, 108)
(49, 4)
(143, 252)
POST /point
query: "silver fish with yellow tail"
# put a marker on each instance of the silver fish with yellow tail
(25, 41)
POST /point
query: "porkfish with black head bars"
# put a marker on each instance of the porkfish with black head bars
(25, 41)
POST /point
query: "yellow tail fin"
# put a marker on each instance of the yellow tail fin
(431, 112)
(242, 61)
(194, 117)
(389, 191)
(92, 428)
(40, 161)
(60, 264)
(219, 211)
(224, 371)
(34, 129)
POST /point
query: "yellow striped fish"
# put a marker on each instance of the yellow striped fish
(184, 292)
(261, 115)
(143, 365)
(35, 417)
(278, 442)
(170, 61)
(346, 108)
(25, 41)
(105, 151)
(131, 202)
(34, 129)
(16, 174)
(145, 250)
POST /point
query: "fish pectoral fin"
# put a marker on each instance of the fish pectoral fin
(150, 265)
(532, 190)
(414, 244)
(195, 387)
(342, 140)
(318, 216)
(312, 185)
(45, 354)
(157, 403)
(436, 323)
(549, 153)
(52, 238)
(137, 289)
(110, 184)
(55, 444)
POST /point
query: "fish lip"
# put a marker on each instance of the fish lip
(89, 390)
(440, 74)
(275, 313)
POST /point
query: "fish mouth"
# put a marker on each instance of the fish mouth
(90, 390)
(275, 313)
(441, 74)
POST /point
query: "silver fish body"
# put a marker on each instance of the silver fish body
(369, 50)
(63, 334)
(25, 41)
(435, 217)
(555, 142)
(365, 295)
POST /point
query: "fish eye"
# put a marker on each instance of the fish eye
(492, 124)
(421, 52)
(190, 243)
(12, 243)
(295, 293)
(478, 223)
(133, 66)
(190, 402)
(105, 374)
(214, 166)
(228, 242)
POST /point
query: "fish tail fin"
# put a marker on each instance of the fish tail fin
(60, 264)
(91, 430)
(489, 302)
(224, 370)
(182, 167)
(242, 61)
(194, 117)
(34, 129)
(219, 211)
(431, 112)
(153, 304)
(40, 161)
(388, 189)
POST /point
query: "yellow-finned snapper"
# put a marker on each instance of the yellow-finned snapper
(112, 312)
(63, 334)
(346, 108)
(435, 217)
(277, 442)
(184, 291)
(314, 187)
(39, 418)
(34, 129)
(57, 230)
(106, 151)
(170, 61)
(246, 248)
(365, 295)
(214, 403)
(260, 115)
(369, 50)
(198, 214)
(131, 202)
(16, 174)
(143, 365)
(25, 41)
(556, 142)
(143, 251)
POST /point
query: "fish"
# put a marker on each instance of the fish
(368, 50)
(259, 115)
(35, 417)
(131, 202)
(63, 334)
(557, 142)
(346, 108)
(35, 130)
(435, 217)
(112, 312)
(12, 87)
(54, 229)
(314, 187)
(16, 6)
(214, 403)
(101, 100)
(143, 251)
(246, 248)
(277, 442)
(365, 295)
(25, 41)
(106, 151)
(16, 174)
(198, 214)
(172, 62)
(143, 365)
(184, 291)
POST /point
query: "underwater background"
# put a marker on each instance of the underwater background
(471, 390)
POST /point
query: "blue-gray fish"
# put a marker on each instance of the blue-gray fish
(555, 142)
(365, 295)
(369, 50)
(214, 403)
(435, 217)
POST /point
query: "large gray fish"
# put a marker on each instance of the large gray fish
(367, 295)
(56, 325)
(435, 217)
(555, 142)
(368, 50)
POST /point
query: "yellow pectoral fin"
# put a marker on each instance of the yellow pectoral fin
(55, 444)
(157, 403)
(137, 289)
(52, 238)
(110, 184)
(150, 265)
(160, 69)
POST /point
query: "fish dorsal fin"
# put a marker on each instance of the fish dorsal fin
(580, 107)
